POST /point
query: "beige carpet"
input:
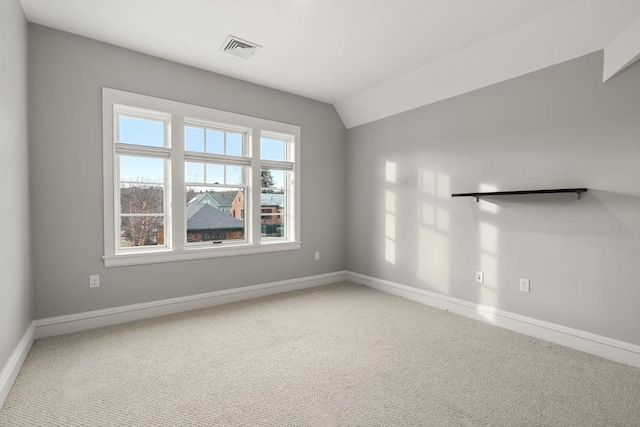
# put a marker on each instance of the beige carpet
(337, 355)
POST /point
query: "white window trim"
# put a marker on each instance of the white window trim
(177, 250)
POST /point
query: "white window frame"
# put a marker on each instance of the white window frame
(179, 114)
(128, 149)
(286, 165)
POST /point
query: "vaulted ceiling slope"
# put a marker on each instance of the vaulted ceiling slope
(372, 58)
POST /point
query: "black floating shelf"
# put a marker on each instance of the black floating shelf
(512, 193)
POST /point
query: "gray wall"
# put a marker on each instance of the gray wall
(558, 127)
(66, 74)
(15, 266)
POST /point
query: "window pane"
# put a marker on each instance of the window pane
(272, 180)
(141, 169)
(141, 231)
(215, 215)
(215, 174)
(235, 175)
(194, 139)
(222, 198)
(272, 214)
(234, 144)
(215, 141)
(272, 149)
(133, 130)
(194, 172)
(140, 198)
(192, 195)
(272, 229)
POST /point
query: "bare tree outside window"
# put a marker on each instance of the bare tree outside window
(142, 207)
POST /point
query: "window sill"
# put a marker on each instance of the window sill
(187, 254)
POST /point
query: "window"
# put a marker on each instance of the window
(188, 182)
(141, 150)
(276, 174)
(216, 168)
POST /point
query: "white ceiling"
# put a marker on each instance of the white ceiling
(333, 51)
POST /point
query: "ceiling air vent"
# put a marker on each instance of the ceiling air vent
(238, 47)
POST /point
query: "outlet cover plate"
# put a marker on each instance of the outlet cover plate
(94, 281)
(524, 285)
(479, 276)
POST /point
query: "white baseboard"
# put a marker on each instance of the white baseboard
(11, 369)
(111, 316)
(618, 351)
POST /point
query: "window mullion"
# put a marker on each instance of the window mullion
(177, 186)
(253, 210)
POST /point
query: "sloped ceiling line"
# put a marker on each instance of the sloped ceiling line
(622, 52)
(574, 30)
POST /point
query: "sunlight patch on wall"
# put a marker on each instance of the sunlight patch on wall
(443, 185)
(435, 183)
(428, 213)
(433, 263)
(390, 226)
(390, 173)
(488, 235)
(390, 202)
(427, 181)
(488, 238)
(433, 258)
(442, 219)
(485, 205)
(390, 251)
(488, 289)
(436, 217)
(390, 237)
(390, 215)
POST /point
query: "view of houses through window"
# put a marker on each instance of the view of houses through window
(211, 214)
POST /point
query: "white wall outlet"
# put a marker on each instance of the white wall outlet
(317, 256)
(94, 281)
(524, 285)
(479, 276)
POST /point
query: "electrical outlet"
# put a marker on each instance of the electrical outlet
(524, 285)
(94, 281)
(479, 276)
(317, 256)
